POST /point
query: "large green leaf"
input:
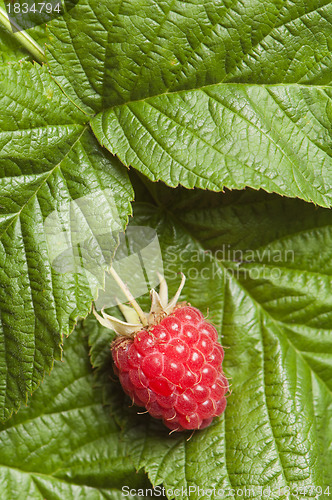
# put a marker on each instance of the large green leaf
(206, 93)
(203, 93)
(261, 266)
(233, 135)
(48, 158)
(66, 445)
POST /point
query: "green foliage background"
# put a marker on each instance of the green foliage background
(211, 96)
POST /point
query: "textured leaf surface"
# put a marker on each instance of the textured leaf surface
(206, 93)
(66, 444)
(150, 47)
(48, 158)
(276, 137)
(255, 262)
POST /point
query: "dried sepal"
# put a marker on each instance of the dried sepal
(160, 307)
(120, 327)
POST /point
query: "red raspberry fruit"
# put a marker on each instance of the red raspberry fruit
(173, 367)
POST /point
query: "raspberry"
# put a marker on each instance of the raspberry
(171, 365)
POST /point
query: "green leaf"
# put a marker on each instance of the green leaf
(256, 264)
(232, 135)
(66, 444)
(48, 159)
(206, 94)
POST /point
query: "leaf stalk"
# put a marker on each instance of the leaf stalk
(23, 38)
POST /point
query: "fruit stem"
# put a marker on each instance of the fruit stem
(130, 297)
(22, 37)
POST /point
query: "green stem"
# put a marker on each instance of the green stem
(22, 37)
